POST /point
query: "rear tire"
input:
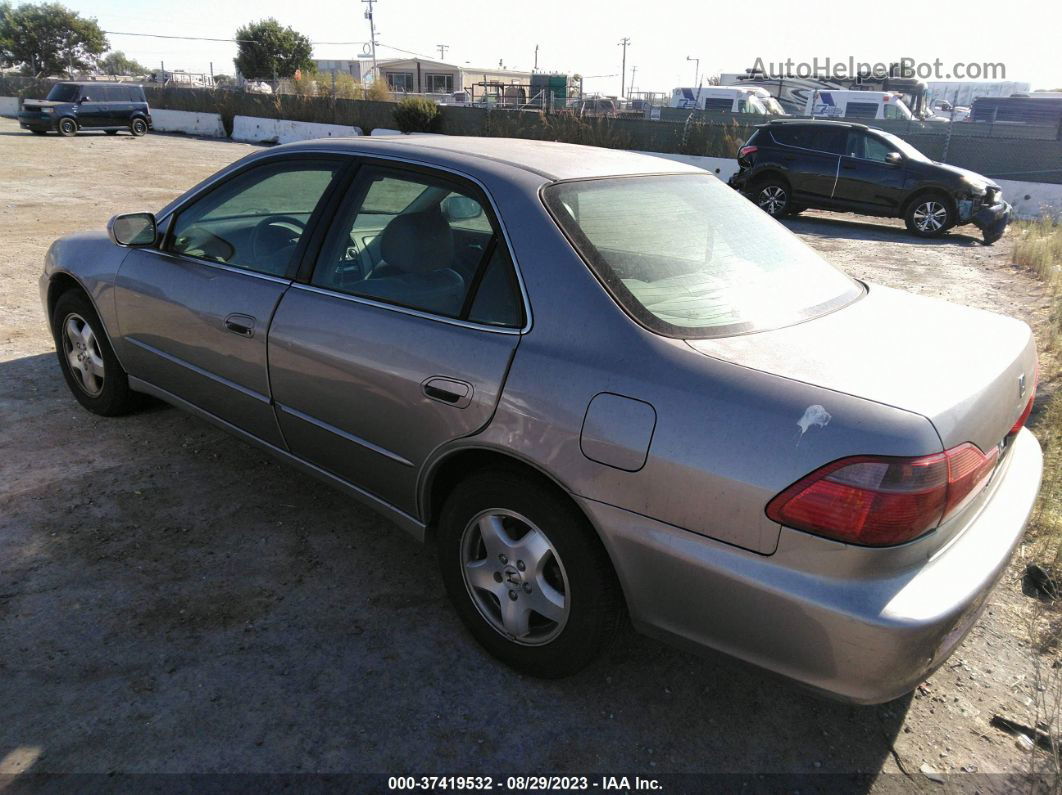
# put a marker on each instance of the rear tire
(511, 546)
(772, 195)
(138, 127)
(91, 369)
(929, 215)
(67, 127)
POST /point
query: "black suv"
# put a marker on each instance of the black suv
(788, 166)
(88, 106)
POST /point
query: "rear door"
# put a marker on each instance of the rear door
(810, 155)
(400, 340)
(867, 179)
(194, 313)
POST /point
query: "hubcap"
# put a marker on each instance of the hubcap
(772, 199)
(83, 355)
(930, 216)
(515, 577)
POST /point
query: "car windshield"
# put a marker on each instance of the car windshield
(904, 148)
(688, 257)
(63, 92)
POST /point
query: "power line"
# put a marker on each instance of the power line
(210, 38)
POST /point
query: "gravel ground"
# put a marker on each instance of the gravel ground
(172, 600)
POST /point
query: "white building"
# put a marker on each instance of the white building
(425, 76)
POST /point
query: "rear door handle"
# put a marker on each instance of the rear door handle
(240, 324)
(448, 390)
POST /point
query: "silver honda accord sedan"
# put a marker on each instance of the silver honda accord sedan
(599, 382)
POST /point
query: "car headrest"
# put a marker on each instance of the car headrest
(418, 242)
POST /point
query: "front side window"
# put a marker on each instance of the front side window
(875, 149)
(688, 257)
(255, 220)
(422, 242)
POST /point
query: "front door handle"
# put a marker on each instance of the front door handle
(240, 324)
(448, 390)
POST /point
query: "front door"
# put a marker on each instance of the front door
(867, 179)
(402, 338)
(93, 109)
(194, 314)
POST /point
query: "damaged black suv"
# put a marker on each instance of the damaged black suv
(789, 166)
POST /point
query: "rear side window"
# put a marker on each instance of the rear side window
(688, 257)
(861, 110)
(828, 139)
(822, 139)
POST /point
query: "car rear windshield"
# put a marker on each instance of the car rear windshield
(688, 257)
(63, 92)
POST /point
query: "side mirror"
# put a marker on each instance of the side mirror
(133, 229)
(461, 208)
(894, 158)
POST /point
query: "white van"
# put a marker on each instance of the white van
(830, 104)
(719, 98)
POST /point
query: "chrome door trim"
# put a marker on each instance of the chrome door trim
(354, 154)
(219, 265)
(405, 310)
(836, 176)
(200, 371)
(409, 523)
(343, 434)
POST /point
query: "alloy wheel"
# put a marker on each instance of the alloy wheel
(930, 216)
(515, 577)
(772, 199)
(83, 354)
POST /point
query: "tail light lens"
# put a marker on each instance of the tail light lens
(882, 500)
(745, 151)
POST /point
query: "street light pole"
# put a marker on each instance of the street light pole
(372, 36)
(696, 69)
(623, 72)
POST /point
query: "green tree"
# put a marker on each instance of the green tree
(117, 63)
(48, 39)
(265, 49)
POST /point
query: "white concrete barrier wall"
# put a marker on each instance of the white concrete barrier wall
(255, 130)
(9, 106)
(184, 121)
(1033, 199)
(722, 167)
(386, 131)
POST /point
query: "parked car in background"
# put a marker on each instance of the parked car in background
(857, 105)
(70, 107)
(942, 110)
(788, 166)
(596, 380)
(721, 99)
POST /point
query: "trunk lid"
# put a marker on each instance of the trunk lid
(969, 372)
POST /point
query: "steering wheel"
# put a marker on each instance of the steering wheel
(274, 234)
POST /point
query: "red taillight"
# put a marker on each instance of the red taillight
(745, 151)
(880, 500)
(1028, 406)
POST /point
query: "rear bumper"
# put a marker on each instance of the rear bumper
(867, 636)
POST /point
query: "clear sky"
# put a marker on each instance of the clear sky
(582, 36)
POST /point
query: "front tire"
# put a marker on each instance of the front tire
(527, 574)
(138, 127)
(930, 215)
(67, 127)
(772, 195)
(91, 369)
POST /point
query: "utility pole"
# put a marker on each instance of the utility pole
(696, 69)
(372, 36)
(623, 72)
(442, 48)
(536, 57)
(634, 71)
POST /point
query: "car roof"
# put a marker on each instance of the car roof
(548, 159)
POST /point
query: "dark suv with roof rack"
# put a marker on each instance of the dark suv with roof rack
(789, 166)
(70, 107)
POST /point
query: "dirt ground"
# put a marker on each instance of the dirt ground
(172, 600)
